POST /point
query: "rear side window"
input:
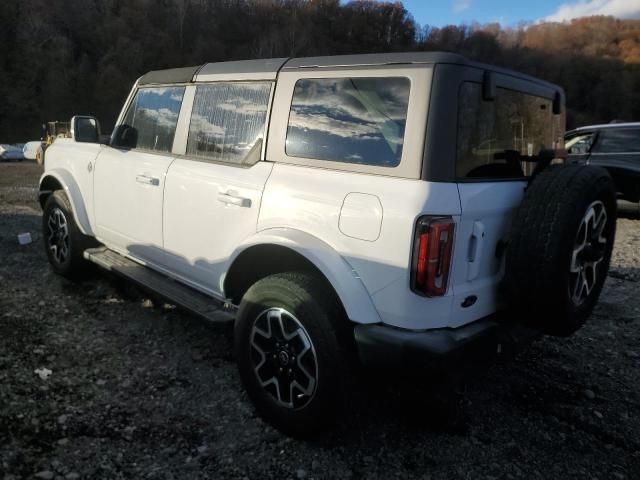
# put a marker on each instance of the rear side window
(493, 134)
(352, 120)
(153, 114)
(228, 122)
(618, 140)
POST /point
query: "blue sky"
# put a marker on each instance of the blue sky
(509, 12)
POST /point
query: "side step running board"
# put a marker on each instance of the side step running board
(181, 295)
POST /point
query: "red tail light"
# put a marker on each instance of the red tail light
(432, 255)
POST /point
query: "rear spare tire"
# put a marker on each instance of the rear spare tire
(560, 247)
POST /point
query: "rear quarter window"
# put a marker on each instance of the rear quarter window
(351, 120)
(618, 140)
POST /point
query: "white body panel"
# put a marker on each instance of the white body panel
(209, 209)
(72, 164)
(344, 279)
(129, 188)
(310, 200)
(478, 262)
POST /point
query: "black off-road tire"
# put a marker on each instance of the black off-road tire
(312, 304)
(57, 214)
(547, 266)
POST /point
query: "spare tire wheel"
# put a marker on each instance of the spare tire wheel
(560, 247)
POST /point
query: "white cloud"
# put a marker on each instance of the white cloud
(461, 5)
(163, 116)
(586, 8)
(203, 126)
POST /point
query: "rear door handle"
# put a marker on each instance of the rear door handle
(232, 198)
(475, 250)
(148, 180)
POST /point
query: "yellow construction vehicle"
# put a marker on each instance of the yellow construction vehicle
(51, 131)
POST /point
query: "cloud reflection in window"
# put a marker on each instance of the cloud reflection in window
(227, 121)
(154, 114)
(354, 120)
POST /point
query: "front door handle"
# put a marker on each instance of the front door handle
(232, 198)
(148, 180)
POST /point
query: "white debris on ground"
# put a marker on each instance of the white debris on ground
(44, 373)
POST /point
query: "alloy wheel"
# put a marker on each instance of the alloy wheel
(284, 359)
(58, 239)
(589, 250)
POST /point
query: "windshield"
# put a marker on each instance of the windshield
(496, 137)
(579, 144)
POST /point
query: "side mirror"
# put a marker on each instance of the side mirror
(557, 103)
(85, 129)
(124, 136)
(488, 86)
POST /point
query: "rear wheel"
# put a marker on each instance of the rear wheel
(560, 247)
(289, 353)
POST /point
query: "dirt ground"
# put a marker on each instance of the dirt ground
(139, 391)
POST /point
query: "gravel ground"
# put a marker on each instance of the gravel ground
(138, 390)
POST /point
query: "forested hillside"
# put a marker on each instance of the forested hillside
(58, 58)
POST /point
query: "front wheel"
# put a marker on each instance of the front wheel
(63, 240)
(289, 353)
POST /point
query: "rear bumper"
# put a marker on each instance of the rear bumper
(382, 346)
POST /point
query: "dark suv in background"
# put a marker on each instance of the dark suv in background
(614, 146)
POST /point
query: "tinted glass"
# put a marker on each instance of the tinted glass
(153, 116)
(579, 144)
(514, 124)
(86, 130)
(618, 140)
(354, 120)
(227, 122)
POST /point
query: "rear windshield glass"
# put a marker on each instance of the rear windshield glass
(352, 120)
(493, 134)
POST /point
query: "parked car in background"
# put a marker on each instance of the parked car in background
(9, 153)
(30, 149)
(613, 146)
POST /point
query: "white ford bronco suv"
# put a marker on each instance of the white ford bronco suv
(389, 209)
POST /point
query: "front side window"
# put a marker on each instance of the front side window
(150, 122)
(352, 120)
(228, 122)
(495, 136)
(618, 140)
